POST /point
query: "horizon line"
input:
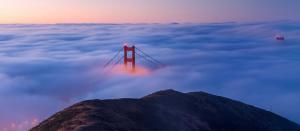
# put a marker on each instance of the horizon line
(136, 23)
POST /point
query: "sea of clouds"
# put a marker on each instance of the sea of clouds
(45, 68)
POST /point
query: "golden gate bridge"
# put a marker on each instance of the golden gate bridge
(130, 56)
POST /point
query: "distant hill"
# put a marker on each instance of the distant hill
(167, 110)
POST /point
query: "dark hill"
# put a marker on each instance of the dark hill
(166, 111)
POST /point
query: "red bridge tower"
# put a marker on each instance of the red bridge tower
(129, 51)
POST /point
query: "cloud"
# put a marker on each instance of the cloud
(45, 68)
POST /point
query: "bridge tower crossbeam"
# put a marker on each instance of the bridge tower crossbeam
(127, 58)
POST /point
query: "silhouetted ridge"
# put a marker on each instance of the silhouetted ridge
(164, 93)
(166, 110)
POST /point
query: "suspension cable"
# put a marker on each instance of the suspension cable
(139, 52)
(115, 56)
(148, 56)
(118, 60)
(147, 59)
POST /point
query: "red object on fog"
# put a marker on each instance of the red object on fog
(127, 59)
(279, 37)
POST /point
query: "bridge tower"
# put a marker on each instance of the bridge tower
(129, 56)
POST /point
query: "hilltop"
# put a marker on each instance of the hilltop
(166, 110)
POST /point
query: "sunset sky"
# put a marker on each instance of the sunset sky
(46, 68)
(146, 11)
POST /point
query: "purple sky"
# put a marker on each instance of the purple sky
(141, 11)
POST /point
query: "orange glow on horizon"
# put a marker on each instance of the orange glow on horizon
(122, 70)
(93, 11)
(142, 11)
